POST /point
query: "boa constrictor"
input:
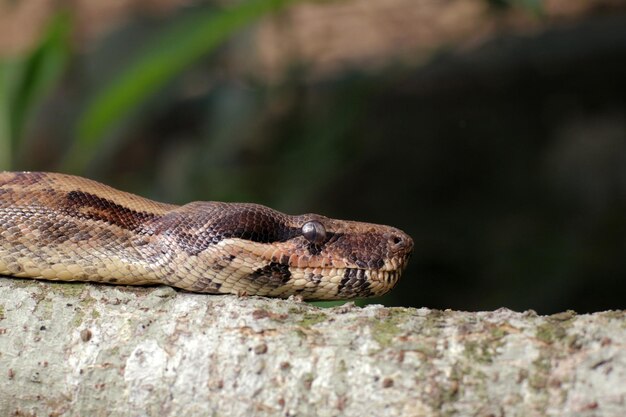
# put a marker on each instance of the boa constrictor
(68, 228)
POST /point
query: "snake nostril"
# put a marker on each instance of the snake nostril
(396, 240)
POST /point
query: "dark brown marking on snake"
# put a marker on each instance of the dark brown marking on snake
(365, 251)
(377, 263)
(194, 243)
(354, 281)
(391, 277)
(176, 226)
(314, 249)
(89, 206)
(273, 275)
(284, 259)
(317, 248)
(315, 278)
(254, 225)
(223, 262)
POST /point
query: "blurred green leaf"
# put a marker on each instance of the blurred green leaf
(25, 80)
(153, 68)
(40, 71)
(5, 117)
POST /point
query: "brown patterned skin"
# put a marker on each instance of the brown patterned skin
(62, 227)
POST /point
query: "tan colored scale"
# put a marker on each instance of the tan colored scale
(67, 228)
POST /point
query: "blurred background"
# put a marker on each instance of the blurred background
(492, 131)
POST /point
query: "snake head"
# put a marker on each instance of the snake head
(359, 259)
(252, 249)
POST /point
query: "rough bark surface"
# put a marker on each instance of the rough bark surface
(95, 350)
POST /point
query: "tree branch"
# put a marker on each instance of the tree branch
(96, 350)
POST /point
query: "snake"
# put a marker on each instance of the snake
(62, 227)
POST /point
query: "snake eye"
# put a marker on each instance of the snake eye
(314, 232)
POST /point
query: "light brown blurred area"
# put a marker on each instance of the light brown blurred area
(326, 36)
(329, 36)
(22, 21)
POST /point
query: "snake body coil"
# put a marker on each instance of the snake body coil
(67, 228)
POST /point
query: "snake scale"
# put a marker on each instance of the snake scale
(68, 228)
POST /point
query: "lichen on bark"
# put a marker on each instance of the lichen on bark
(95, 350)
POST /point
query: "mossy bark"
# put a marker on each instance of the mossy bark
(95, 350)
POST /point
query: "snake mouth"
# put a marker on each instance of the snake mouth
(396, 264)
(347, 282)
(361, 283)
(338, 284)
(383, 280)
